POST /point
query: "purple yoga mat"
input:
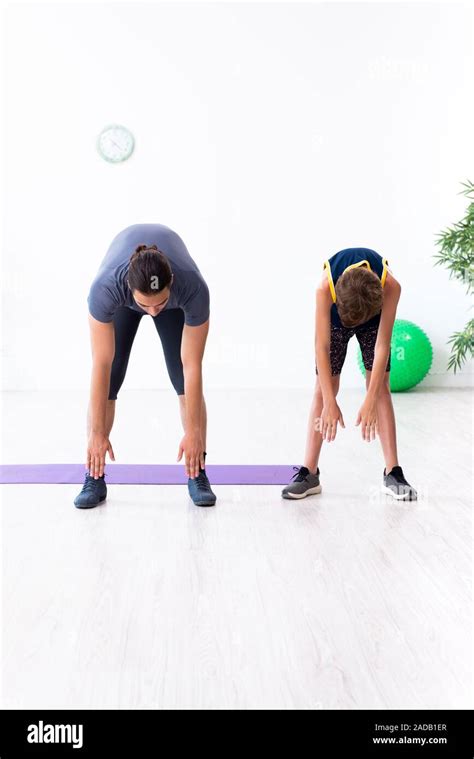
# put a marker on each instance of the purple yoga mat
(146, 474)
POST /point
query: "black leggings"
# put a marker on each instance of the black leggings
(340, 337)
(169, 325)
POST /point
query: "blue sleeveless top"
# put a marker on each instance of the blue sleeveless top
(350, 258)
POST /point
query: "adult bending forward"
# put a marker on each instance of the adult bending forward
(147, 270)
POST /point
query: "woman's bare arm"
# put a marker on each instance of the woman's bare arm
(103, 349)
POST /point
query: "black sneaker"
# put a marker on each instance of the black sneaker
(93, 492)
(303, 483)
(200, 490)
(395, 484)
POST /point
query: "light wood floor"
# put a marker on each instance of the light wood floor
(345, 600)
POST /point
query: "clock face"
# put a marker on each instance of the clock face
(115, 143)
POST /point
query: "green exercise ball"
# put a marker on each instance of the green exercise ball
(411, 356)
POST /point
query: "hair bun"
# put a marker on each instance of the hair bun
(141, 248)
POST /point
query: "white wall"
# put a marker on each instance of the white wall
(268, 135)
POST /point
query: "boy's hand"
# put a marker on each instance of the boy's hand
(326, 424)
(367, 418)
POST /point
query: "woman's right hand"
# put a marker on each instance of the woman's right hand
(98, 445)
(331, 416)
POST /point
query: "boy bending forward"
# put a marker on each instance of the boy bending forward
(357, 296)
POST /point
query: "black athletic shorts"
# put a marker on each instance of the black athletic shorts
(340, 337)
(169, 325)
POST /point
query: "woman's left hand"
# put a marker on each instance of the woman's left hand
(192, 447)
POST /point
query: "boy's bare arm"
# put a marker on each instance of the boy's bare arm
(331, 414)
(323, 339)
(367, 416)
(391, 297)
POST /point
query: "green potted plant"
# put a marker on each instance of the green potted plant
(456, 252)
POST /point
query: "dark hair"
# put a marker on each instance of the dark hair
(359, 296)
(149, 270)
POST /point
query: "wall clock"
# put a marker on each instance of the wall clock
(115, 143)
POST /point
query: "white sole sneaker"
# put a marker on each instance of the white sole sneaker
(311, 491)
(403, 497)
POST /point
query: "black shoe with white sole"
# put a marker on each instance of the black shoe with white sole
(395, 484)
(303, 483)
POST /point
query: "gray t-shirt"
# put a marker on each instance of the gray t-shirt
(109, 289)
